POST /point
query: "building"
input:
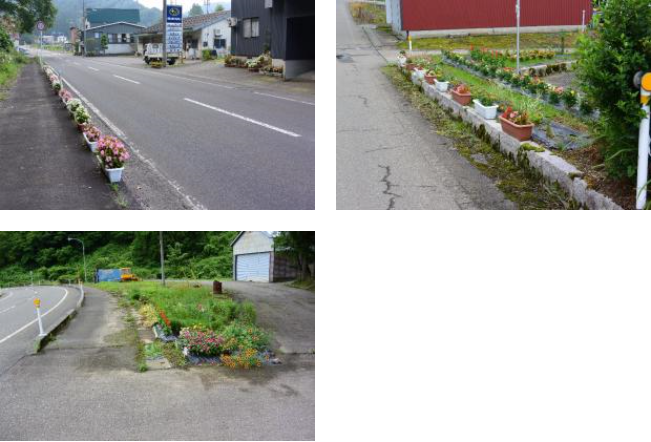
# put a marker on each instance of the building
(207, 31)
(119, 26)
(423, 18)
(285, 28)
(255, 258)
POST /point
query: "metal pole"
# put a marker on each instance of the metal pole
(162, 257)
(83, 28)
(643, 154)
(40, 323)
(40, 50)
(164, 41)
(83, 252)
(517, 13)
(583, 22)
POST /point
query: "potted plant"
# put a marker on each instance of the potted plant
(441, 84)
(73, 104)
(410, 65)
(65, 96)
(56, 85)
(402, 58)
(461, 94)
(82, 117)
(91, 136)
(112, 154)
(486, 107)
(516, 124)
(555, 95)
(430, 76)
(569, 98)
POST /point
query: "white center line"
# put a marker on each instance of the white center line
(241, 117)
(7, 309)
(30, 323)
(92, 68)
(283, 98)
(126, 79)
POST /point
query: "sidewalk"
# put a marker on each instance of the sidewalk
(44, 162)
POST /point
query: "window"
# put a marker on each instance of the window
(111, 38)
(247, 28)
(97, 35)
(124, 39)
(255, 27)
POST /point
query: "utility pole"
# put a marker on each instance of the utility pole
(517, 14)
(83, 26)
(162, 257)
(164, 51)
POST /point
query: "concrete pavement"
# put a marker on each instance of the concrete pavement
(18, 320)
(84, 386)
(45, 164)
(222, 145)
(388, 156)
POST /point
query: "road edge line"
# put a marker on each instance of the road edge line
(187, 198)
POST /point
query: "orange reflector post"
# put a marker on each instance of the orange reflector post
(646, 82)
(37, 302)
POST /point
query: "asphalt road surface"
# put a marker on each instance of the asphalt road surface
(18, 321)
(388, 155)
(223, 145)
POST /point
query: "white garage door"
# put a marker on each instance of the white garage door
(253, 267)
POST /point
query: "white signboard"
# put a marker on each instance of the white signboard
(174, 35)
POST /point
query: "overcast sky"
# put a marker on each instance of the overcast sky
(187, 4)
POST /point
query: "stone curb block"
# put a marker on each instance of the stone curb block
(553, 168)
(41, 341)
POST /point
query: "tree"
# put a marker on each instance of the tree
(299, 246)
(219, 8)
(27, 12)
(195, 10)
(104, 43)
(609, 58)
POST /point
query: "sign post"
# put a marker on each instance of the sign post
(37, 303)
(40, 26)
(644, 82)
(517, 14)
(173, 34)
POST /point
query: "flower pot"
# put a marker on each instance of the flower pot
(520, 133)
(92, 145)
(80, 127)
(411, 66)
(420, 73)
(486, 112)
(114, 175)
(430, 79)
(442, 86)
(462, 99)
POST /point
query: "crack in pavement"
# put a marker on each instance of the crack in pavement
(390, 185)
(382, 148)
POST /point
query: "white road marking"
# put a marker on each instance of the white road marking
(126, 79)
(32, 322)
(74, 62)
(241, 117)
(94, 69)
(188, 199)
(283, 98)
(7, 309)
(9, 295)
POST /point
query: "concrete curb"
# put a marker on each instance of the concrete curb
(552, 168)
(41, 341)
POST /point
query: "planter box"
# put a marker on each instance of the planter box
(486, 112)
(114, 175)
(462, 99)
(442, 86)
(92, 145)
(520, 133)
(430, 79)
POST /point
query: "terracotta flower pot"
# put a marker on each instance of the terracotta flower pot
(411, 66)
(462, 99)
(520, 133)
(430, 79)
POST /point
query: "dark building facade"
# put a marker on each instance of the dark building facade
(283, 27)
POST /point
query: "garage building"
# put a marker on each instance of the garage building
(255, 258)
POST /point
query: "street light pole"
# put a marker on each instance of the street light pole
(83, 26)
(83, 252)
(162, 257)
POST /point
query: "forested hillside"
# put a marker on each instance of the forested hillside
(52, 257)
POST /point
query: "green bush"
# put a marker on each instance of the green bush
(206, 55)
(5, 41)
(238, 337)
(609, 59)
(247, 313)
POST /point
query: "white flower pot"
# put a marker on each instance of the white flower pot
(402, 61)
(442, 86)
(420, 73)
(486, 112)
(91, 145)
(114, 175)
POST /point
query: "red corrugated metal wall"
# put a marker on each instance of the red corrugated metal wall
(421, 15)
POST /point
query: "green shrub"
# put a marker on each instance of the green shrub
(206, 55)
(5, 41)
(247, 313)
(238, 336)
(609, 58)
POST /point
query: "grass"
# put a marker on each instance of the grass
(477, 84)
(520, 184)
(305, 284)
(153, 350)
(184, 306)
(174, 355)
(527, 41)
(367, 13)
(10, 66)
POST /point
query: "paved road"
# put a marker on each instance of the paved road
(18, 324)
(85, 386)
(224, 145)
(388, 156)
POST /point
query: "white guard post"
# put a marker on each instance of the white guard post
(37, 303)
(643, 145)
